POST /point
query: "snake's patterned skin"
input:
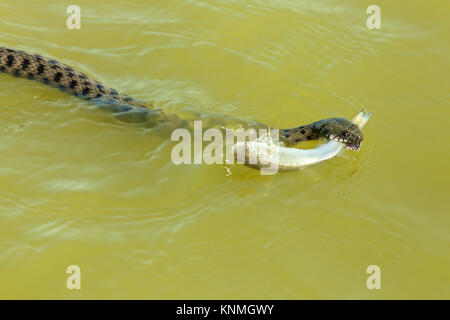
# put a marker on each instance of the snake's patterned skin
(56, 74)
(59, 75)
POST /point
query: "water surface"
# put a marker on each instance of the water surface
(79, 187)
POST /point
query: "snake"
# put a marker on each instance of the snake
(59, 75)
(274, 157)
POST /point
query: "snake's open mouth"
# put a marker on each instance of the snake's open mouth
(349, 145)
(353, 146)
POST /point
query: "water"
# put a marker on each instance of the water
(77, 187)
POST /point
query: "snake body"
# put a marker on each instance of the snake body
(56, 74)
(126, 108)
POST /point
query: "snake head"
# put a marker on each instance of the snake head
(340, 129)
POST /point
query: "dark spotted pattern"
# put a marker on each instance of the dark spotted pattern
(54, 73)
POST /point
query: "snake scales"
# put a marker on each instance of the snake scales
(56, 74)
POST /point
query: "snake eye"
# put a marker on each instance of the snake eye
(346, 133)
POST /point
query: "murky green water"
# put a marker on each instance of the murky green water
(79, 188)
